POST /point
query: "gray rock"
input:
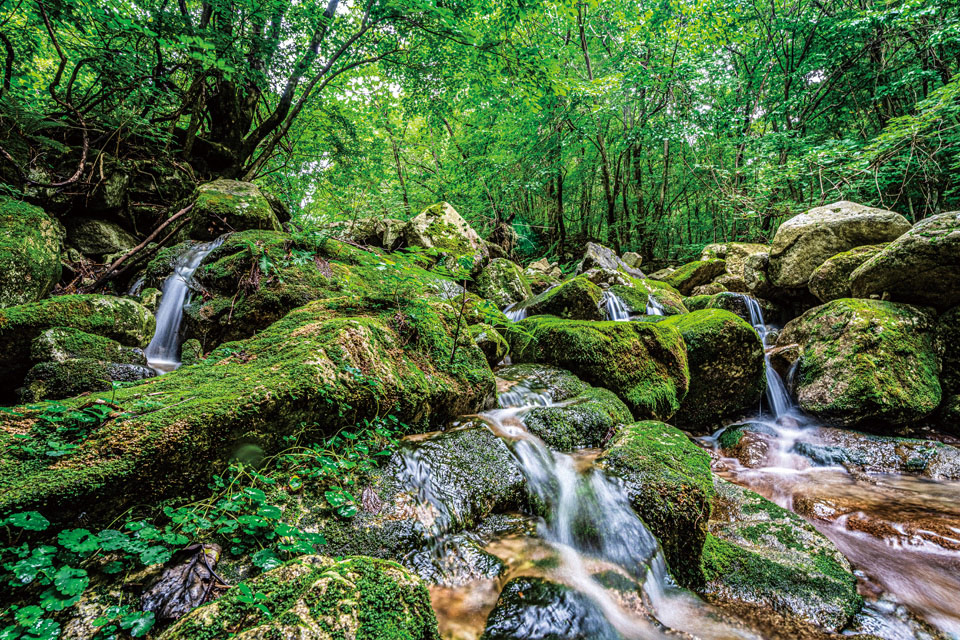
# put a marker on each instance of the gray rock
(99, 238)
(831, 280)
(597, 255)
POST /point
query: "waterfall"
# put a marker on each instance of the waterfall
(777, 396)
(163, 352)
(654, 308)
(614, 307)
(514, 314)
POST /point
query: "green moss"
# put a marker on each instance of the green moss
(30, 244)
(490, 341)
(503, 283)
(645, 364)
(586, 421)
(70, 377)
(65, 343)
(698, 303)
(694, 274)
(637, 296)
(229, 205)
(577, 299)
(670, 485)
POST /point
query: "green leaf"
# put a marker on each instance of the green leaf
(78, 540)
(138, 623)
(70, 581)
(155, 555)
(28, 520)
(266, 559)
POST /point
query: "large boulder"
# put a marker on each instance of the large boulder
(490, 341)
(318, 598)
(586, 420)
(867, 363)
(373, 232)
(120, 319)
(100, 238)
(725, 356)
(804, 242)
(693, 274)
(30, 244)
(668, 481)
(645, 364)
(440, 227)
(502, 282)
(921, 267)
(576, 299)
(229, 205)
(599, 256)
(764, 556)
(831, 280)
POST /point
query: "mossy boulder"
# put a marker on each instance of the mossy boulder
(726, 363)
(440, 227)
(371, 232)
(644, 295)
(503, 283)
(30, 245)
(229, 205)
(866, 363)
(597, 256)
(310, 374)
(542, 275)
(585, 420)
(831, 280)
(804, 242)
(922, 266)
(73, 376)
(645, 364)
(490, 341)
(100, 238)
(693, 274)
(576, 299)
(669, 483)
(948, 334)
(318, 598)
(60, 344)
(557, 384)
(120, 319)
(763, 555)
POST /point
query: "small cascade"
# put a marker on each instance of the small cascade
(654, 308)
(777, 396)
(163, 352)
(136, 287)
(514, 314)
(614, 307)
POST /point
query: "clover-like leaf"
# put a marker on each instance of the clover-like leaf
(70, 581)
(29, 520)
(79, 541)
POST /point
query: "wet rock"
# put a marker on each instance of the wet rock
(734, 303)
(866, 362)
(60, 344)
(761, 554)
(537, 609)
(922, 266)
(490, 341)
(440, 227)
(804, 242)
(576, 299)
(831, 280)
(668, 481)
(502, 282)
(455, 560)
(188, 581)
(100, 238)
(599, 256)
(726, 363)
(643, 293)
(782, 359)
(693, 274)
(30, 246)
(586, 421)
(228, 205)
(645, 364)
(559, 384)
(318, 598)
(607, 277)
(74, 376)
(750, 443)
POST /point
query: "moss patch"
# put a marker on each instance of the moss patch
(30, 244)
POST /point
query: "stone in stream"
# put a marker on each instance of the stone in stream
(318, 598)
(760, 554)
(831, 280)
(503, 283)
(922, 266)
(599, 256)
(866, 363)
(575, 299)
(645, 364)
(668, 481)
(804, 242)
(693, 274)
(558, 383)
(643, 293)
(586, 421)
(30, 246)
(726, 363)
(229, 205)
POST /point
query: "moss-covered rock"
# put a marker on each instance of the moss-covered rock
(502, 282)
(542, 275)
(804, 242)
(709, 289)
(191, 352)
(645, 364)
(71, 377)
(558, 384)
(598, 256)
(831, 280)
(726, 363)
(318, 598)
(440, 227)
(30, 245)
(229, 205)
(371, 232)
(99, 238)
(120, 319)
(922, 266)
(576, 299)
(65, 343)
(311, 373)
(490, 341)
(866, 362)
(644, 295)
(585, 421)
(760, 554)
(151, 298)
(693, 274)
(670, 486)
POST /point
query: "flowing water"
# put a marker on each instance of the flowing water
(900, 532)
(615, 308)
(163, 352)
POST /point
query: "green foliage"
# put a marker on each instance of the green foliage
(59, 428)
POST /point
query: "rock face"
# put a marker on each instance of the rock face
(725, 356)
(599, 256)
(645, 364)
(760, 554)
(503, 283)
(693, 274)
(804, 242)
(100, 238)
(575, 299)
(948, 333)
(922, 266)
(585, 421)
(229, 205)
(831, 280)
(318, 598)
(746, 264)
(867, 363)
(441, 227)
(30, 244)
(668, 481)
(632, 259)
